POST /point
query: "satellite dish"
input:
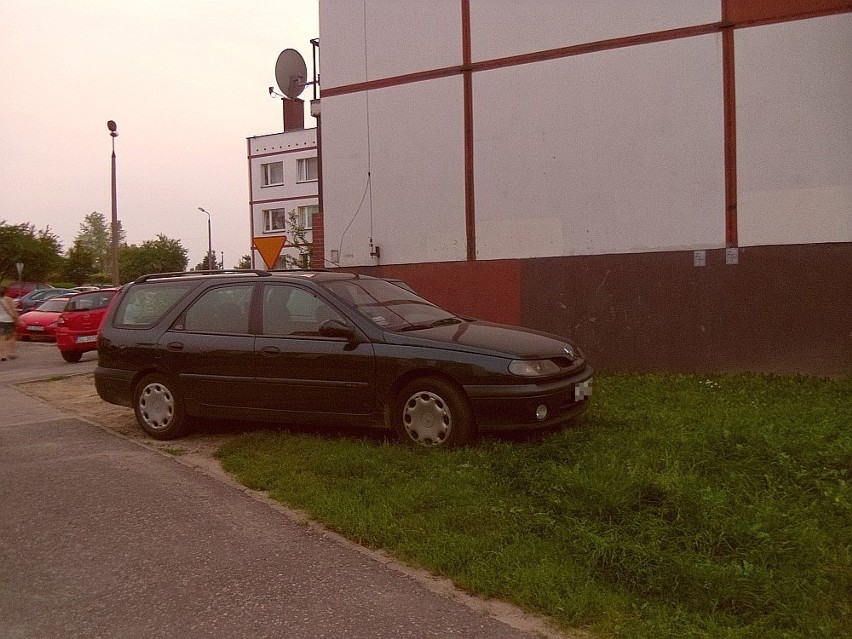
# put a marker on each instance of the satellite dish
(291, 73)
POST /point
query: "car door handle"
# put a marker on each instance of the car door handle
(175, 346)
(270, 350)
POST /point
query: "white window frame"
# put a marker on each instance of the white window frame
(268, 173)
(308, 169)
(269, 218)
(305, 216)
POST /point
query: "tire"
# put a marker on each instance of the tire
(72, 357)
(159, 407)
(432, 413)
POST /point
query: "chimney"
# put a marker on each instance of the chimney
(294, 114)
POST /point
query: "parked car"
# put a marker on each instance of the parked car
(16, 289)
(39, 324)
(318, 348)
(78, 324)
(34, 298)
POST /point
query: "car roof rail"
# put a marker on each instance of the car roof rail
(237, 271)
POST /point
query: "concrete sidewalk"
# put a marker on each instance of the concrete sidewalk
(102, 537)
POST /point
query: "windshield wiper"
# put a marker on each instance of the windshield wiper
(447, 321)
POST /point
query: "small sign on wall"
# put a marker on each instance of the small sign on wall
(732, 256)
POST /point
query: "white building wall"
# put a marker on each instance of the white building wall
(794, 131)
(502, 28)
(413, 203)
(397, 38)
(618, 151)
(613, 152)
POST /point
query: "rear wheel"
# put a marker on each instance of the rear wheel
(72, 357)
(433, 413)
(159, 408)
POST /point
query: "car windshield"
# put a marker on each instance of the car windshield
(390, 305)
(56, 305)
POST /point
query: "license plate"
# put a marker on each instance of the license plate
(83, 339)
(583, 390)
(36, 329)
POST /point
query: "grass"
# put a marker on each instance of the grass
(679, 506)
(175, 452)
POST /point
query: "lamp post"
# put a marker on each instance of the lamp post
(209, 241)
(114, 239)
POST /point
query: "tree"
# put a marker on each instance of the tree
(204, 265)
(163, 255)
(297, 239)
(39, 251)
(79, 264)
(245, 262)
(95, 235)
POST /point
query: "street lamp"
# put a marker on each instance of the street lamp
(114, 240)
(209, 241)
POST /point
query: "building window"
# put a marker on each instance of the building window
(307, 170)
(274, 220)
(273, 173)
(305, 216)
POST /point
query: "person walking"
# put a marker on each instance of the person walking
(8, 319)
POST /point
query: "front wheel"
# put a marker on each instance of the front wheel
(159, 408)
(72, 357)
(431, 412)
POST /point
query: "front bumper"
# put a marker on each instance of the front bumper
(514, 407)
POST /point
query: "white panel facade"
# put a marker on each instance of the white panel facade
(613, 152)
(413, 204)
(287, 148)
(794, 132)
(501, 28)
(400, 38)
(292, 192)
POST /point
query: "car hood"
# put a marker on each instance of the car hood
(487, 338)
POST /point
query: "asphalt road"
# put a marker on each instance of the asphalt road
(103, 537)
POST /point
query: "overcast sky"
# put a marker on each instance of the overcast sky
(185, 80)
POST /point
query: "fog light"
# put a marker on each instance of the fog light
(541, 412)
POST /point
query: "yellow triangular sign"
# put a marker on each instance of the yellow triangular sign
(270, 248)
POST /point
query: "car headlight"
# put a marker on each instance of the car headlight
(533, 367)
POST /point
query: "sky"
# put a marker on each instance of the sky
(186, 81)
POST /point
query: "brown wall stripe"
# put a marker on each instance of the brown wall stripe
(469, 194)
(730, 108)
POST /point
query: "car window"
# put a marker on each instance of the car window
(224, 309)
(90, 301)
(145, 304)
(387, 304)
(56, 305)
(290, 310)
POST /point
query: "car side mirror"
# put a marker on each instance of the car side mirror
(335, 328)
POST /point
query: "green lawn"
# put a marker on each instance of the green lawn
(678, 506)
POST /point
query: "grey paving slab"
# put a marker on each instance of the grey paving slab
(102, 537)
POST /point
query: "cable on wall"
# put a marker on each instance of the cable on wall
(368, 187)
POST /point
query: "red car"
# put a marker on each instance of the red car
(40, 323)
(78, 324)
(16, 289)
